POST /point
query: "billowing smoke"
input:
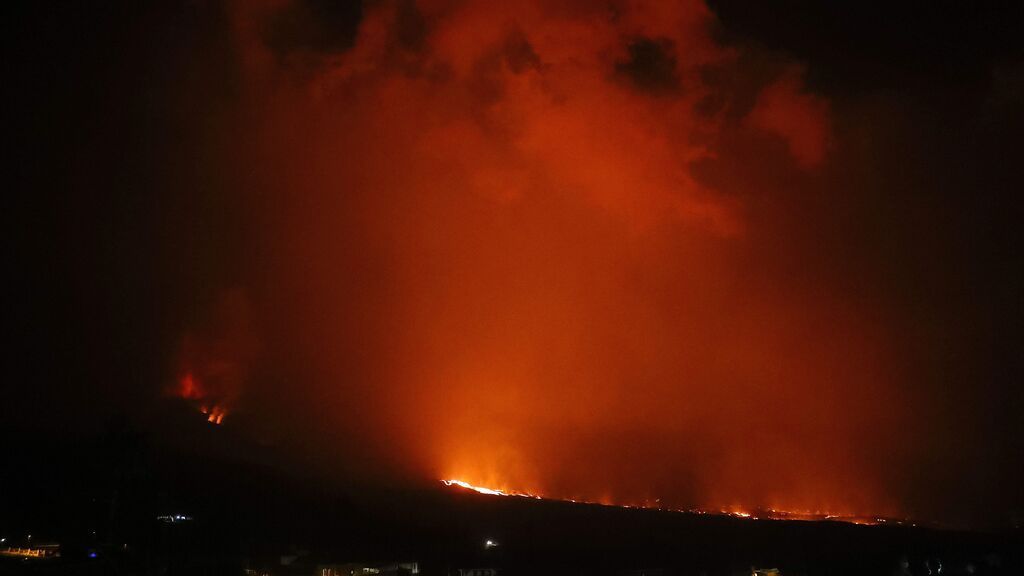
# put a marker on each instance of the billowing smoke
(762, 254)
(551, 246)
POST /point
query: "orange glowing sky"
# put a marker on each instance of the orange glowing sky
(518, 256)
(708, 254)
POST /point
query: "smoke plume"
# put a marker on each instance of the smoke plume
(551, 246)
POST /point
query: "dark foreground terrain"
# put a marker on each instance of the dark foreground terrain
(120, 503)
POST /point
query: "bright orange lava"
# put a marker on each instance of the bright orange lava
(488, 491)
(190, 388)
(768, 514)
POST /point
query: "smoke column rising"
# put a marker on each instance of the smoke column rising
(508, 244)
(724, 256)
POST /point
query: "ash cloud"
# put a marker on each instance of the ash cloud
(616, 251)
(507, 267)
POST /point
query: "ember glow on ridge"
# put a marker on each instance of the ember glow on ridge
(735, 512)
(488, 491)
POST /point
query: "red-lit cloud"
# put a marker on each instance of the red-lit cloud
(801, 119)
(495, 253)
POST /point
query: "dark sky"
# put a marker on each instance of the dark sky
(670, 245)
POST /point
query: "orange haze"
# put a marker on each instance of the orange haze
(549, 247)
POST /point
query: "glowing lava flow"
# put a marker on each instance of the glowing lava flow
(190, 388)
(768, 514)
(214, 415)
(488, 491)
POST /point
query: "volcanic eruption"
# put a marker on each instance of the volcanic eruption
(673, 255)
(550, 247)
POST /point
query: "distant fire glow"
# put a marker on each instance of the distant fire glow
(214, 415)
(189, 388)
(214, 357)
(768, 514)
(488, 491)
(575, 250)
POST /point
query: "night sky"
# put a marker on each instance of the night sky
(727, 254)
